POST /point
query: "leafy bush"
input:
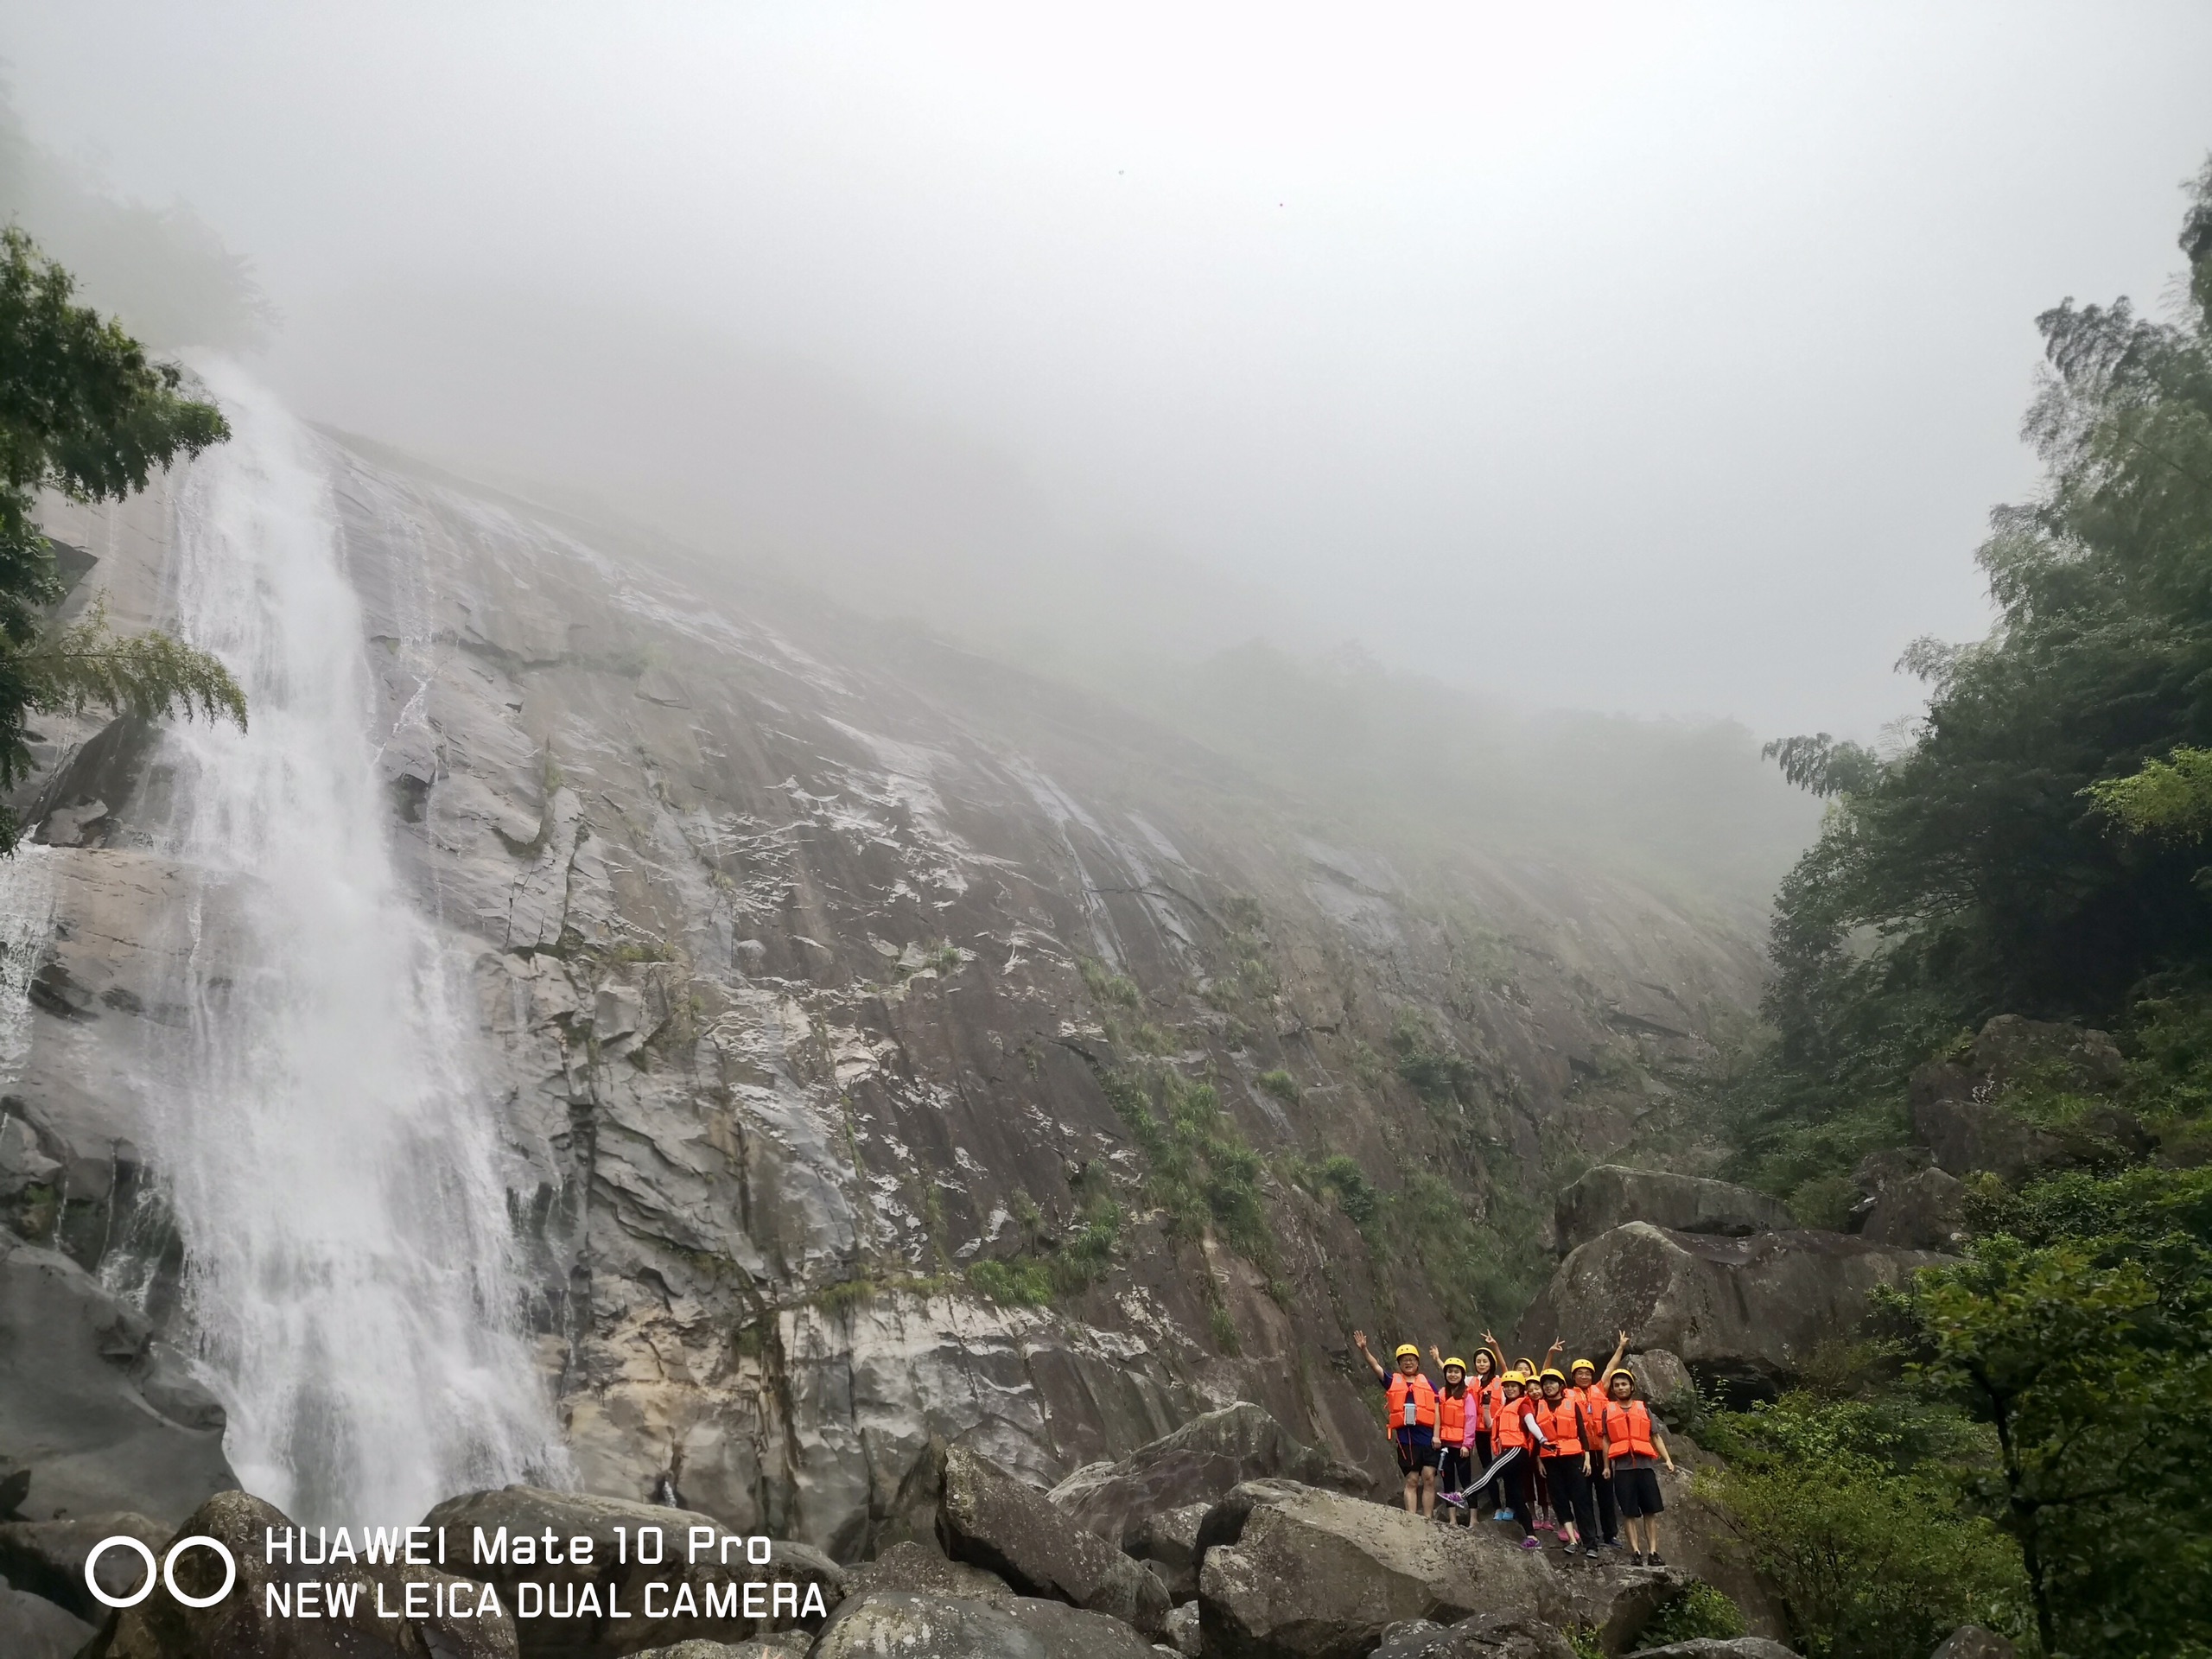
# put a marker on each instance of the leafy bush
(1356, 1194)
(1280, 1083)
(1107, 986)
(1702, 1613)
(1871, 1565)
(1198, 1169)
(1024, 1281)
(1047, 1273)
(1438, 1076)
(2086, 1342)
(1481, 1271)
(2038, 848)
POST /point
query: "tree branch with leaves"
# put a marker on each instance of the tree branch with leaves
(84, 413)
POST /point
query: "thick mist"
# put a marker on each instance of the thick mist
(1654, 364)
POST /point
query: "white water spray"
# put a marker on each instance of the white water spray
(331, 1157)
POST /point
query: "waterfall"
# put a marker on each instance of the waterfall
(25, 924)
(331, 1157)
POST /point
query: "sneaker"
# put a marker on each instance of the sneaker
(1636, 1559)
(1502, 1514)
(1456, 1500)
(1654, 1559)
(1546, 1526)
(1530, 1543)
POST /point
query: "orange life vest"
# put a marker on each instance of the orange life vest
(1490, 1403)
(1510, 1433)
(1424, 1397)
(1595, 1402)
(1562, 1427)
(1627, 1430)
(1450, 1417)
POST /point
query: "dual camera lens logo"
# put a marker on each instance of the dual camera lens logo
(166, 1571)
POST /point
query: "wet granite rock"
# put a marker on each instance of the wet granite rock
(1485, 1635)
(1196, 1464)
(348, 1597)
(907, 1624)
(31, 1627)
(664, 1600)
(102, 1415)
(1925, 1210)
(1321, 1576)
(923, 1569)
(1973, 1642)
(47, 1557)
(1745, 1310)
(993, 1520)
(1607, 1197)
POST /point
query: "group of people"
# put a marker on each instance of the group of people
(1579, 1442)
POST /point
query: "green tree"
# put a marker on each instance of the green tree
(1847, 1507)
(2167, 800)
(2085, 1341)
(1977, 872)
(82, 412)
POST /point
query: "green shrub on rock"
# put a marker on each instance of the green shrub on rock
(1703, 1612)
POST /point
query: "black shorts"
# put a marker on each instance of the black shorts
(1416, 1448)
(1636, 1490)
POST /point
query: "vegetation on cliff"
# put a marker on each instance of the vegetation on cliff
(83, 412)
(2024, 1445)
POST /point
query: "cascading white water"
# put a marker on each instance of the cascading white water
(332, 1164)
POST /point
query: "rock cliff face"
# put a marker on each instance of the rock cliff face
(819, 964)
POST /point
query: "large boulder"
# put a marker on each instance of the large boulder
(1708, 1647)
(36, 1629)
(1959, 1111)
(1185, 1634)
(1168, 1543)
(1197, 1464)
(47, 1557)
(784, 1644)
(251, 1621)
(102, 1415)
(694, 1590)
(923, 1569)
(904, 1624)
(993, 1520)
(1924, 1210)
(1074, 1633)
(1973, 1642)
(1486, 1636)
(2011, 1051)
(1318, 1575)
(31, 1627)
(1743, 1310)
(1969, 1135)
(1662, 1379)
(1611, 1194)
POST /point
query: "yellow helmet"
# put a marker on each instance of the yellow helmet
(1551, 1373)
(1619, 1370)
(1461, 1364)
(1517, 1377)
(1584, 1365)
(1405, 1348)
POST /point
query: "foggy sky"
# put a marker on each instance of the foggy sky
(1661, 359)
